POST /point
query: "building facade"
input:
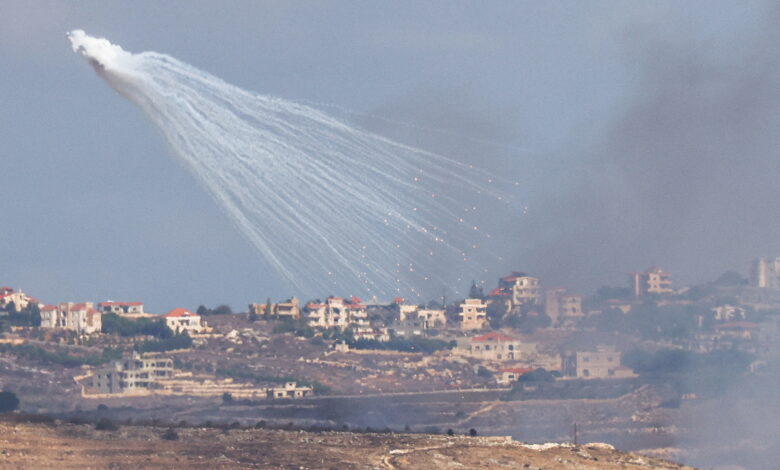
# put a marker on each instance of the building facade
(18, 299)
(337, 313)
(181, 320)
(651, 281)
(497, 347)
(524, 289)
(603, 363)
(132, 309)
(561, 306)
(79, 317)
(765, 273)
(132, 374)
(290, 308)
(413, 320)
(473, 315)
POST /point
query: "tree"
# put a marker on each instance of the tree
(472, 432)
(227, 398)
(268, 308)
(538, 375)
(730, 278)
(106, 424)
(8, 401)
(202, 310)
(476, 292)
(252, 314)
(222, 310)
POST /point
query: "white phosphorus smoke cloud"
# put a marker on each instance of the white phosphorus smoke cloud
(328, 206)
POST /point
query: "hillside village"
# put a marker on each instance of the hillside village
(520, 342)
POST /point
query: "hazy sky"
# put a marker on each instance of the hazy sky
(643, 132)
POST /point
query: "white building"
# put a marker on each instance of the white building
(337, 313)
(523, 288)
(652, 281)
(473, 315)
(19, 299)
(131, 309)
(180, 320)
(413, 320)
(765, 273)
(498, 347)
(78, 317)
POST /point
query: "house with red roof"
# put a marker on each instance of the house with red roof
(18, 299)
(180, 320)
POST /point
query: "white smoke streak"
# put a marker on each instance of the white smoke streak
(324, 203)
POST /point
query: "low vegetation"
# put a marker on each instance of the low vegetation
(45, 356)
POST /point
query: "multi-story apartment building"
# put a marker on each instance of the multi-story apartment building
(561, 306)
(132, 373)
(78, 317)
(473, 315)
(129, 309)
(651, 281)
(290, 308)
(524, 289)
(765, 273)
(413, 320)
(337, 313)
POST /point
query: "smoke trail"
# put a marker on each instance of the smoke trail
(324, 203)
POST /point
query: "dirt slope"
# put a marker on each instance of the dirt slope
(64, 446)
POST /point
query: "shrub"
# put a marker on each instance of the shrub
(170, 435)
(106, 424)
(8, 401)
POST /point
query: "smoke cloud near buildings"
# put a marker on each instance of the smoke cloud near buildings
(684, 177)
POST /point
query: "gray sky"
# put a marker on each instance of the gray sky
(644, 133)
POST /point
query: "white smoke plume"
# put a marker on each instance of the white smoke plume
(326, 204)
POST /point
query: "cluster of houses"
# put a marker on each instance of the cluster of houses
(87, 318)
(509, 357)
